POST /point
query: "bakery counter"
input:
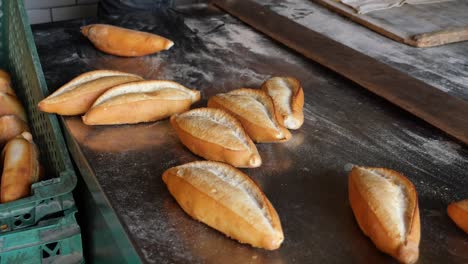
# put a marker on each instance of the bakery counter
(130, 215)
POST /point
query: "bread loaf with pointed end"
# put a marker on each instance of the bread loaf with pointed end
(216, 135)
(124, 42)
(78, 95)
(255, 110)
(10, 127)
(143, 101)
(227, 200)
(458, 212)
(5, 83)
(10, 105)
(288, 98)
(20, 168)
(385, 205)
(7, 90)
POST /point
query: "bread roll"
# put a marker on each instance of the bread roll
(124, 42)
(458, 212)
(7, 90)
(288, 98)
(10, 127)
(5, 83)
(215, 135)
(78, 95)
(143, 101)
(20, 168)
(255, 110)
(10, 105)
(385, 205)
(227, 200)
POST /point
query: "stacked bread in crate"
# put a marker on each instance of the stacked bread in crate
(20, 156)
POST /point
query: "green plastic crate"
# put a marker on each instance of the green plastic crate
(19, 57)
(56, 240)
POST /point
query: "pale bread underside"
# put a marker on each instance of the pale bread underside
(163, 89)
(281, 92)
(231, 188)
(387, 196)
(88, 77)
(214, 126)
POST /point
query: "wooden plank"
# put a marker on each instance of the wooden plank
(426, 25)
(438, 108)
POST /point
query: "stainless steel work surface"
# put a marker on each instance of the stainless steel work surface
(305, 178)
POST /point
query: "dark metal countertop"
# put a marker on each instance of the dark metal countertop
(305, 178)
(444, 67)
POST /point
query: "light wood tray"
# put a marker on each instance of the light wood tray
(425, 25)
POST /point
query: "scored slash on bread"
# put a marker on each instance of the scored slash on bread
(255, 110)
(142, 101)
(458, 212)
(288, 98)
(10, 127)
(10, 105)
(78, 95)
(385, 205)
(215, 135)
(20, 168)
(124, 42)
(227, 200)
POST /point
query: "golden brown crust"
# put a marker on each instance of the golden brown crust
(20, 168)
(137, 102)
(245, 157)
(290, 115)
(236, 104)
(79, 94)
(197, 191)
(458, 212)
(10, 127)
(5, 83)
(7, 89)
(371, 219)
(10, 105)
(124, 42)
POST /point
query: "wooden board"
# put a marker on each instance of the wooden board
(425, 25)
(438, 108)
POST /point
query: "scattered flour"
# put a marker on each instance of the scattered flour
(234, 35)
(439, 151)
(441, 67)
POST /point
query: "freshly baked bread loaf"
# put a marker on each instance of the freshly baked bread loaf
(7, 90)
(124, 42)
(385, 205)
(227, 200)
(20, 168)
(458, 212)
(143, 101)
(255, 110)
(215, 135)
(10, 105)
(5, 83)
(10, 127)
(78, 95)
(288, 98)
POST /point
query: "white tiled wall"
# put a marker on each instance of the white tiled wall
(43, 11)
